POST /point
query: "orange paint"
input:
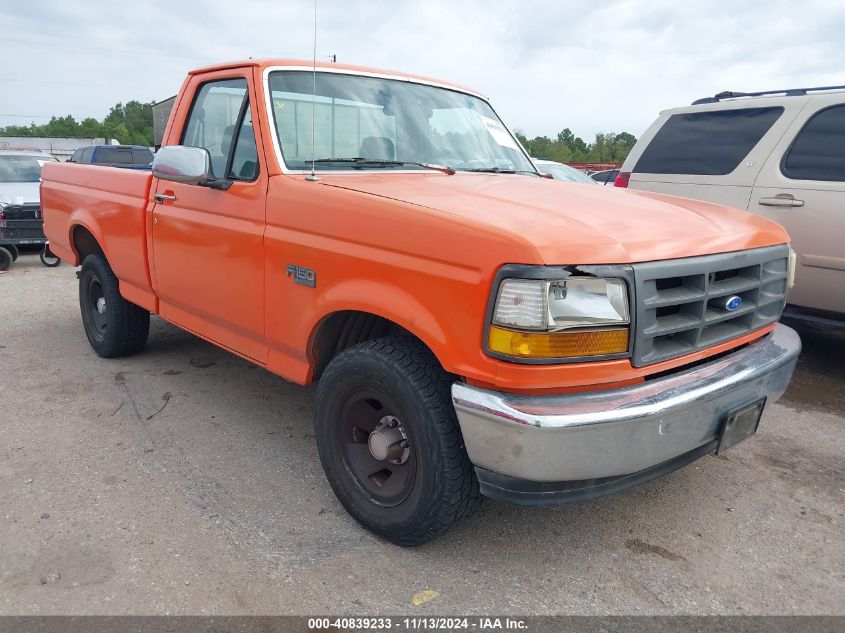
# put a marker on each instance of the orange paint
(420, 249)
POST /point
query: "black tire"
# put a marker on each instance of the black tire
(6, 258)
(401, 381)
(114, 326)
(13, 250)
(48, 259)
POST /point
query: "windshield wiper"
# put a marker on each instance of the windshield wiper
(499, 170)
(360, 162)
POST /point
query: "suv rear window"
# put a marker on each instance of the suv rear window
(706, 143)
(818, 152)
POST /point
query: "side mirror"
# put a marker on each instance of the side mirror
(180, 163)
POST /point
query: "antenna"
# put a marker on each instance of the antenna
(313, 177)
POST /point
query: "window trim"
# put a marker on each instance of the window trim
(782, 164)
(238, 123)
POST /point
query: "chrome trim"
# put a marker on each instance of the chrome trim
(268, 104)
(589, 435)
(180, 163)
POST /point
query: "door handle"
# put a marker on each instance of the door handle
(160, 198)
(781, 200)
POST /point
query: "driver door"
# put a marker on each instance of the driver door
(208, 244)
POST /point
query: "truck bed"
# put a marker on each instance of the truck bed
(110, 204)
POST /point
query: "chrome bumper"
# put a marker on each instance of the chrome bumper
(605, 434)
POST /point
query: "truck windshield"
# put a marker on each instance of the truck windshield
(389, 120)
(22, 168)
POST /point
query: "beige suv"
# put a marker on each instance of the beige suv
(780, 154)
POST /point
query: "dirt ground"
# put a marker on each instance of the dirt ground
(186, 481)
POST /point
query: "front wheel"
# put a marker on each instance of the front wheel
(389, 441)
(13, 250)
(114, 326)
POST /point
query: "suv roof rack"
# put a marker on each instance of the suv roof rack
(787, 92)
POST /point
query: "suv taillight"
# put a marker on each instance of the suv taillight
(622, 179)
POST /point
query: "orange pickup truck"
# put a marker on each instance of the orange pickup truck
(475, 328)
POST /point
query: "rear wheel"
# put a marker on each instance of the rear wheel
(389, 441)
(13, 250)
(114, 326)
(6, 258)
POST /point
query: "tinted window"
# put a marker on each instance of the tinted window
(86, 155)
(142, 157)
(706, 143)
(213, 120)
(605, 176)
(76, 156)
(818, 152)
(113, 156)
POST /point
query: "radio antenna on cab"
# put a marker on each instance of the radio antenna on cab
(313, 177)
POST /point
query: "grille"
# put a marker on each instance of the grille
(678, 308)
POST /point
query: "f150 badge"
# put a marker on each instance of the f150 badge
(303, 276)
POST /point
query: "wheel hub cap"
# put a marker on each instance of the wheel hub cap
(388, 443)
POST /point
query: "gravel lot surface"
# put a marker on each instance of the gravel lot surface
(185, 480)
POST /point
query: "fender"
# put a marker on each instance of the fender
(380, 298)
(85, 219)
(140, 296)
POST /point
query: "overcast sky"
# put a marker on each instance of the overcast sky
(590, 66)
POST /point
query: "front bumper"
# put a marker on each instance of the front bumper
(551, 449)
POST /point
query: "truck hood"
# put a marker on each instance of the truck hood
(574, 223)
(27, 191)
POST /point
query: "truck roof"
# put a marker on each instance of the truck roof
(307, 64)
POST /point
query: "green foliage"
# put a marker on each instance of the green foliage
(130, 124)
(568, 148)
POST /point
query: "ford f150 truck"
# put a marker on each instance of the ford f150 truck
(474, 327)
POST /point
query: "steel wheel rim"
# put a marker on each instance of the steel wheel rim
(97, 307)
(383, 481)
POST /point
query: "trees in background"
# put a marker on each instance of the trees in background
(130, 123)
(567, 148)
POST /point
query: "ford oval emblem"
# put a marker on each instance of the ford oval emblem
(733, 303)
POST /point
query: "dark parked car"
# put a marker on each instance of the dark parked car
(606, 177)
(129, 156)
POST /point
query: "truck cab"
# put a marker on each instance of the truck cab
(474, 327)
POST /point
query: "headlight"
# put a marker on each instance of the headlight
(560, 318)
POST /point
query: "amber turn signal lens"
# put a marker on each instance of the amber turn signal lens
(573, 344)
